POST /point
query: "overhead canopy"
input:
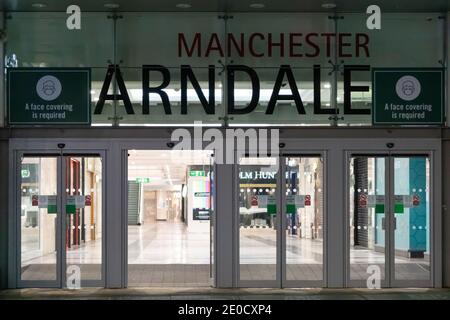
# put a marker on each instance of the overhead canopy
(227, 5)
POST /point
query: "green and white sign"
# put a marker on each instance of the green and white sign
(143, 180)
(408, 96)
(40, 96)
(194, 173)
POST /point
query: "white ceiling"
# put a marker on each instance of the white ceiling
(165, 169)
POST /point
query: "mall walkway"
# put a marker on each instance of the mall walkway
(227, 294)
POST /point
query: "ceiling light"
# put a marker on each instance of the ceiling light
(39, 5)
(183, 5)
(111, 5)
(257, 5)
(328, 5)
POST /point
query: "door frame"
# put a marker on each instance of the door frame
(158, 145)
(38, 148)
(389, 155)
(280, 279)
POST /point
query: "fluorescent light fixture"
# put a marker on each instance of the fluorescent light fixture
(327, 86)
(328, 5)
(39, 5)
(101, 124)
(180, 125)
(183, 6)
(257, 5)
(244, 125)
(111, 5)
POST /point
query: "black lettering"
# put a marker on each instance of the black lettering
(187, 73)
(113, 69)
(348, 89)
(317, 98)
(285, 69)
(231, 70)
(146, 89)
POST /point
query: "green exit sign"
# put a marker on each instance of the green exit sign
(197, 173)
(25, 173)
(143, 180)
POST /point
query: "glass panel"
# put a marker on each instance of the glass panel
(157, 113)
(404, 40)
(412, 218)
(184, 42)
(38, 218)
(294, 39)
(304, 217)
(52, 44)
(285, 111)
(83, 209)
(367, 216)
(169, 210)
(258, 218)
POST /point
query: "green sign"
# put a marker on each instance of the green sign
(197, 173)
(25, 173)
(40, 96)
(408, 96)
(143, 180)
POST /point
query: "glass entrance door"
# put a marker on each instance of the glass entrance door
(410, 220)
(389, 219)
(281, 221)
(303, 232)
(61, 217)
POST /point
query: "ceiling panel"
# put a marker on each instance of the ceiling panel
(229, 5)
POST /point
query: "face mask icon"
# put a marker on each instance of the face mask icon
(408, 88)
(48, 87)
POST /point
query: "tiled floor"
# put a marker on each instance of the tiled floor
(168, 254)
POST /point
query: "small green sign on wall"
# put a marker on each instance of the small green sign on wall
(407, 96)
(49, 96)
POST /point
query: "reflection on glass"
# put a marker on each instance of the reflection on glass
(304, 217)
(83, 209)
(412, 218)
(258, 218)
(367, 216)
(38, 218)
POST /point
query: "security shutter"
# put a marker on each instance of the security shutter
(133, 203)
(361, 214)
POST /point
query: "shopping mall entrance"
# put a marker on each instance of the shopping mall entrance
(131, 212)
(169, 218)
(390, 219)
(61, 219)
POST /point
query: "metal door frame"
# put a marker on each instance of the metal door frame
(40, 148)
(389, 279)
(156, 145)
(280, 280)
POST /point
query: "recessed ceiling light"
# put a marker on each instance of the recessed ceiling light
(39, 5)
(183, 5)
(257, 5)
(328, 5)
(111, 5)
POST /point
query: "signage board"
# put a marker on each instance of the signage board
(197, 173)
(49, 96)
(407, 96)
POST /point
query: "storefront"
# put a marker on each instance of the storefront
(224, 148)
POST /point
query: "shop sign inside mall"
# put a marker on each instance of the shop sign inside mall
(157, 78)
